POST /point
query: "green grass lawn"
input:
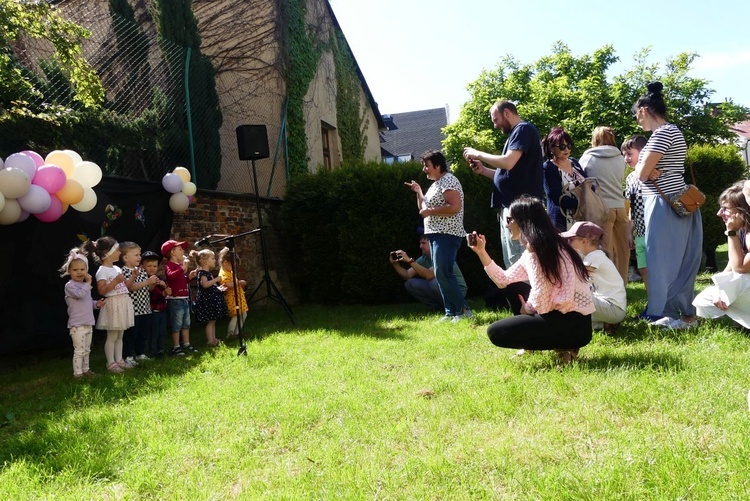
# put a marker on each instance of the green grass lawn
(383, 403)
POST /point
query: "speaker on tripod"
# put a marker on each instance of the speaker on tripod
(252, 144)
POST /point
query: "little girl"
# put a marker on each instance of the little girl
(209, 301)
(117, 313)
(227, 281)
(80, 309)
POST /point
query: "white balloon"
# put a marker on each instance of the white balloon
(36, 201)
(88, 174)
(179, 202)
(75, 156)
(2, 201)
(10, 213)
(189, 189)
(21, 161)
(14, 183)
(88, 202)
(1, 163)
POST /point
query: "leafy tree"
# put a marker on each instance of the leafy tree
(39, 20)
(575, 93)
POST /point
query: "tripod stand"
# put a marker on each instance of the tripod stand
(229, 242)
(272, 292)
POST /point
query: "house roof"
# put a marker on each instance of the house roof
(742, 129)
(415, 132)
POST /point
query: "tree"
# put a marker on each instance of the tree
(575, 93)
(39, 20)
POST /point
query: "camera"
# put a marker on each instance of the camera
(395, 256)
(471, 239)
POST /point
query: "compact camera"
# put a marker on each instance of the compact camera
(395, 256)
(471, 239)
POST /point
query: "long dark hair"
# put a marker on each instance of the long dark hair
(653, 99)
(543, 238)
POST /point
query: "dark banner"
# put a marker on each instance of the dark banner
(32, 305)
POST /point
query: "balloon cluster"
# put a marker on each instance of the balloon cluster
(46, 187)
(178, 183)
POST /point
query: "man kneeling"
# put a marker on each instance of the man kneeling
(419, 278)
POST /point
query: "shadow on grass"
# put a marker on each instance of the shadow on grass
(658, 362)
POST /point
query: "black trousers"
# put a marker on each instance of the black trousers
(548, 331)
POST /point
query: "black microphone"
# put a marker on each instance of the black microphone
(203, 241)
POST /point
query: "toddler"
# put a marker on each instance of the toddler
(608, 287)
(631, 150)
(234, 308)
(178, 302)
(138, 282)
(158, 301)
(117, 313)
(209, 301)
(80, 309)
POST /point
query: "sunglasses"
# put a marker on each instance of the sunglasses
(509, 219)
(563, 147)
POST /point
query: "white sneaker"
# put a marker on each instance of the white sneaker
(142, 357)
(131, 361)
(674, 323)
(444, 318)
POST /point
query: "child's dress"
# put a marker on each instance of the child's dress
(117, 314)
(209, 302)
(227, 277)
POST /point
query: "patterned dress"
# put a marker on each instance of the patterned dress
(209, 301)
(227, 277)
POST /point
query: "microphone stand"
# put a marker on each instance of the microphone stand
(228, 240)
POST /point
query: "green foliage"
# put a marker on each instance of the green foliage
(351, 121)
(342, 224)
(716, 168)
(177, 24)
(38, 20)
(575, 93)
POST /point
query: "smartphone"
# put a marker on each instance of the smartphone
(395, 256)
(471, 239)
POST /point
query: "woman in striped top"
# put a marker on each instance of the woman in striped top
(673, 242)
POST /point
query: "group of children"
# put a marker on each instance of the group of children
(136, 304)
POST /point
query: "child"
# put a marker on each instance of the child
(117, 313)
(158, 301)
(227, 280)
(209, 302)
(80, 310)
(137, 281)
(178, 302)
(631, 150)
(608, 287)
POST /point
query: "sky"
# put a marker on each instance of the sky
(421, 54)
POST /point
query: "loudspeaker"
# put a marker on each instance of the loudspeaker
(252, 142)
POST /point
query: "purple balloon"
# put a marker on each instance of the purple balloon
(38, 160)
(50, 177)
(24, 216)
(172, 183)
(53, 213)
(36, 201)
(22, 161)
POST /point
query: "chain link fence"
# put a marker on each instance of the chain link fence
(160, 109)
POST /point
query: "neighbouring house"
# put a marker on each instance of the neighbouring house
(410, 134)
(742, 130)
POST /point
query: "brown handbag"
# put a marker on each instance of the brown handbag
(687, 200)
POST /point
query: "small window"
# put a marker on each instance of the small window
(404, 158)
(326, 147)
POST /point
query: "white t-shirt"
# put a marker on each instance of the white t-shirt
(605, 279)
(108, 273)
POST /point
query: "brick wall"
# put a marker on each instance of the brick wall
(231, 214)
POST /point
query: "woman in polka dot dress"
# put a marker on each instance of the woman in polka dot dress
(209, 302)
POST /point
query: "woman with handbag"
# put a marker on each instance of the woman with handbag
(673, 241)
(561, 174)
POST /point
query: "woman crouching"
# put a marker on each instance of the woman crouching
(557, 315)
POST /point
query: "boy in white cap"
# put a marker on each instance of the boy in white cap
(607, 285)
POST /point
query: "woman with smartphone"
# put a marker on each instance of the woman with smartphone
(442, 208)
(557, 314)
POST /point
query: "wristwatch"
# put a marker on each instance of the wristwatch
(730, 233)
(412, 261)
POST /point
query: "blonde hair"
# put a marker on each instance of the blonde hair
(225, 256)
(128, 246)
(201, 255)
(603, 136)
(75, 254)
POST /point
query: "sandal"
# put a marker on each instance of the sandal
(115, 367)
(567, 356)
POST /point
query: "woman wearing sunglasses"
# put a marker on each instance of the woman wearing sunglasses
(561, 173)
(557, 314)
(605, 162)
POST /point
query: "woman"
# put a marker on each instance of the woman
(673, 242)
(605, 162)
(730, 295)
(561, 173)
(557, 315)
(442, 208)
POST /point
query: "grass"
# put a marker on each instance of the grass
(383, 403)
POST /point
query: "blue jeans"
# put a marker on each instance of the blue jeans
(673, 253)
(158, 333)
(444, 249)
(179, 314)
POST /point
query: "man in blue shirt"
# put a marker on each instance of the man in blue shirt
(516, 172)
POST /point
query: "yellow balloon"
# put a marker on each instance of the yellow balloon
(189, 189)
(183, 173)
(65, 208)
(62, 160)
(71, 193)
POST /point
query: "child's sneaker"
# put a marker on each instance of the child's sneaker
(177, 352)
(189, 347)
(124, 364)
(131, 361)
(142, 357)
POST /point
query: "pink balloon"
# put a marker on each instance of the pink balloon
(38, 160)
(50, 177)
(53, 213)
